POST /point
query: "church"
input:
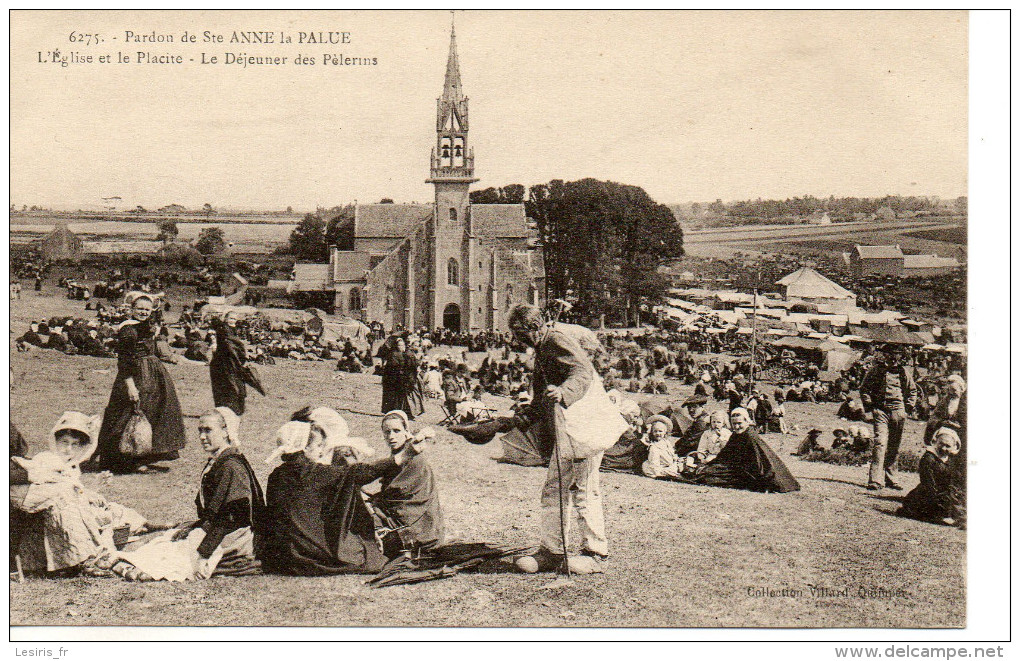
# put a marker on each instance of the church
(450, 264)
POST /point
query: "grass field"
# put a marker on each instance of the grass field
(681, 555)
(914, 236)
(248, 233)
(956, 235)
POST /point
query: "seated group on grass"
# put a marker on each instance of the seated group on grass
(314, 519)
(706, 453)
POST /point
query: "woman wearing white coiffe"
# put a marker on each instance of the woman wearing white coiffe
(76, 524)
(230, 504)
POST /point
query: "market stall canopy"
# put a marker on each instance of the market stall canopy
(220, 309)
(889, 335)
(808, 283)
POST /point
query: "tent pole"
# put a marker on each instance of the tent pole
(754, 334)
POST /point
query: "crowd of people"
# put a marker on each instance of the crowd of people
(315, 517)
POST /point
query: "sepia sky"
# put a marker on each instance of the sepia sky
(689, 105)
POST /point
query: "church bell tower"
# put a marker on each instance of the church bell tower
(451, 171)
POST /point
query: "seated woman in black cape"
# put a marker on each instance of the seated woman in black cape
(939, 496)
(317, 522)
(745, 462)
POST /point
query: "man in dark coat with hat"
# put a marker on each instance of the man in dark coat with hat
(701, 421)
(890, 390)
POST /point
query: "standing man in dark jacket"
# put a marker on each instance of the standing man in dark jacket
(890, 390)
(563, 372)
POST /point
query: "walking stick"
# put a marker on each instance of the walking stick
(562, 305)
(559, 484)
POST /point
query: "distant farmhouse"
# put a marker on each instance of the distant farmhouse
(450, 263)
(62, 244)
(890, 260)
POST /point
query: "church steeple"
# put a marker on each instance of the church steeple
(451, 86)
(452, 159)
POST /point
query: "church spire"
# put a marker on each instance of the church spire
(452, 158)
(452, 91)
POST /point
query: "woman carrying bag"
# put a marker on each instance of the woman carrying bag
(143, 386)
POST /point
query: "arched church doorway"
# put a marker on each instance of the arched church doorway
(451, 317)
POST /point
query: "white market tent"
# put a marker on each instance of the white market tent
(809, 285)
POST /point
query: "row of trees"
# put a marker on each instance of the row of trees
(318, 232)
(603, 243)
(837, 207)
(210, 241)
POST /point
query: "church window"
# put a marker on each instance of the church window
(509, 296)
(453, 215)
(355, 299)
(452, 272)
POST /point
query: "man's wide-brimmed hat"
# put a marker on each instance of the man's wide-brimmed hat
(695, 400)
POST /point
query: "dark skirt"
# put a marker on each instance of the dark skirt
(400, 397)
(159, 404)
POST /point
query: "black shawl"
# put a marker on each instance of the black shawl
(747, 462)
(317, 522)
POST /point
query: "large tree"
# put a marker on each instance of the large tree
(340, 228)
(167, 231)
(603, 243)
(511, 194)
(210, 241)
(308, 239)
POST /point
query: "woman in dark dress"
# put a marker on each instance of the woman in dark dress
(317, 522)
(400, 383)
(409, 500)
(142, 382)
(938, 498)
(226, 369)
(746, 462)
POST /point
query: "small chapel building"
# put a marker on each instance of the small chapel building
(451, 263)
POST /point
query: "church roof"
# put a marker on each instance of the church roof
(499, 220)
(309, 277)
(389, 220)
(350, 265)
(878, 252)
